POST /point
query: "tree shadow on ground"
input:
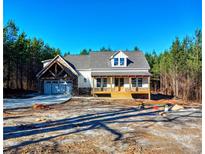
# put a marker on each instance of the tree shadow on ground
(159, 96)
(87, 122)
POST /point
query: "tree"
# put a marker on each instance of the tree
(10, 34)
(84, 52)
(103, 49)
(20, 50)
(22, 58)
(179, 68)
(66, 53)
(136, 48)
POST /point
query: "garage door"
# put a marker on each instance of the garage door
(57, 87)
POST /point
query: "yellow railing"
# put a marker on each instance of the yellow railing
(133, 89)
(101, 89)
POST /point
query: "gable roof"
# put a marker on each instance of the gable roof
(62, 60)
(101, 60)
(117, 53)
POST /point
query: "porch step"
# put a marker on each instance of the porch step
(121, 95)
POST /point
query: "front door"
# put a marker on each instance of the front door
(119, 84)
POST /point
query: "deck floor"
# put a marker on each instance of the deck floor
(121, 94)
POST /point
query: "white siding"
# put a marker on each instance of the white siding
(89, 81)
(84, 75)
(145, 83)
(126, 82)
(108, 82)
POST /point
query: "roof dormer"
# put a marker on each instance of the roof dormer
(119, 59)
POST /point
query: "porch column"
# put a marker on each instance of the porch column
(93, 86)
(130, 83)
(149, 93)
(110, 83)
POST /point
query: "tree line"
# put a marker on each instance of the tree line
(103, 49)
(22, 58)
(179, 69)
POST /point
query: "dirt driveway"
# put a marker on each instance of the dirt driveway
(88, 125)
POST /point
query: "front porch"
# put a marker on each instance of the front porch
(121, 86)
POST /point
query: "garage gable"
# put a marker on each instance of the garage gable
(58, 68)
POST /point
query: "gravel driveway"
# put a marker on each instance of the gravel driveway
(39, 99)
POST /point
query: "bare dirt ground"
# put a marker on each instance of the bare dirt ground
(91, 125)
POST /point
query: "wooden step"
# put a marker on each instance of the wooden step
(121, 95)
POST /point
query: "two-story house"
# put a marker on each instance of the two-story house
(115, 74)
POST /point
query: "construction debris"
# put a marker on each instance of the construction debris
(155, 107)
(177, 107)
(40, 119)
(141, 107)
(40, 107)
(166, 108)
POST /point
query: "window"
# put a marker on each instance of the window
(122, 61)
(115, 61)
(104, 82)
(98, 82)
(85, 80)
(139, 82)
(134, 82)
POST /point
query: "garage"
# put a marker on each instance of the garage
(57, 87)
(57, 77)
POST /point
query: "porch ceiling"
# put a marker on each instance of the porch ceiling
(120, 74)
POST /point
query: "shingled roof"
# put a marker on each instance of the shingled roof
(101, 60)
(136, 60)
(79, 61)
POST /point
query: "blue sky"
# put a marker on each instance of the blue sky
(72, 25)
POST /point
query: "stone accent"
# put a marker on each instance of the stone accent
(84, 91)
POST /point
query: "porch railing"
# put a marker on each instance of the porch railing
(133, 89)
(98, 89)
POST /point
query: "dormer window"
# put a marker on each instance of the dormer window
(119, 59)
(115, 61)
(122, 61)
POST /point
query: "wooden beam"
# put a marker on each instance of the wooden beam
(60, 73)
(52, 73)
(130, 83)
(56, 69)
(64, 68)
(93, 86)
(59, 64)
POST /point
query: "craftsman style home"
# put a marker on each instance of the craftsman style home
(114, 74)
